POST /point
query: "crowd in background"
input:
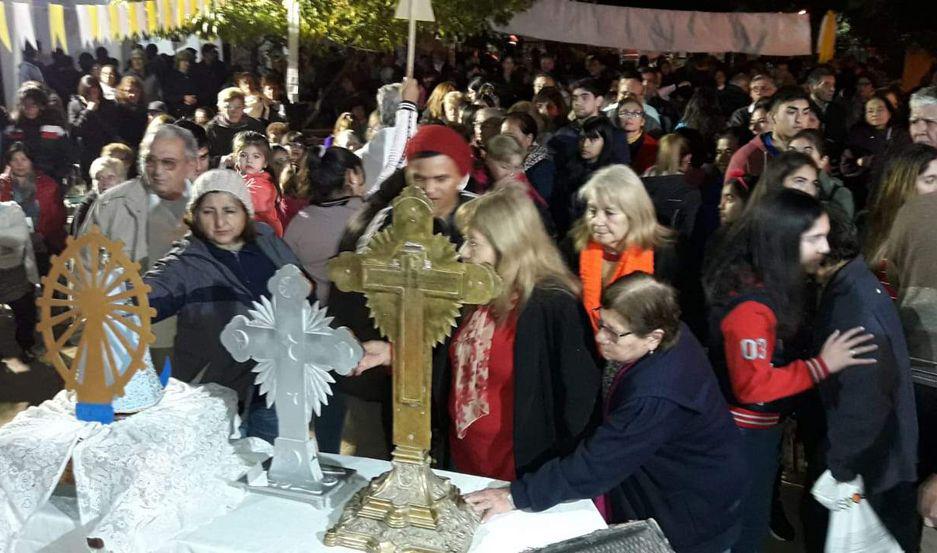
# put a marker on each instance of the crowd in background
(781, 208)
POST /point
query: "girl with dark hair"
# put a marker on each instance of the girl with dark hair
(36, 124)
(755, 285)
(734, 197)
(92, 118)
(334, 185)
(596, 145)
(704, 114)
(792, 170)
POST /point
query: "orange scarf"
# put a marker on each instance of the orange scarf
(590, 272)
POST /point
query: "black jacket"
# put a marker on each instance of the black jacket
(870, 413)
(667, 449)
(221, 134)
(556, 378)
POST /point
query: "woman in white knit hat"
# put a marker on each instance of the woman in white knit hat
(212, 275)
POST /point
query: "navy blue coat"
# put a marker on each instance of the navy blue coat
(871, 425)
(205, 295)
(667, 450)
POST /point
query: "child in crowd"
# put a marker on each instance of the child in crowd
(251, 151)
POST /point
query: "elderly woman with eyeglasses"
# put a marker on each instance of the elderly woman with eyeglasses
(667, 448)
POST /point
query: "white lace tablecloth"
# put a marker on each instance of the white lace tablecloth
(267, 524)
(140, 481)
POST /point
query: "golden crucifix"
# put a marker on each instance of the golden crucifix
(415, 286)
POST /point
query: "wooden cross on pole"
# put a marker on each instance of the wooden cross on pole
(415, 286)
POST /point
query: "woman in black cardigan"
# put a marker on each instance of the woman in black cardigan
(524, 383)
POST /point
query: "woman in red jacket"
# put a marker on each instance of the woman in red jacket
(38, 195)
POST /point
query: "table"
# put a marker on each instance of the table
(263, 523)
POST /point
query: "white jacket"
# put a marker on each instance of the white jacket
(16, 246)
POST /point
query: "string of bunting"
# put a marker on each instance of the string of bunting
(98, 22)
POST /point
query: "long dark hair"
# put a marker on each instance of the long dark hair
(599, 126)
(778, 169)
(326, 175)
(704, 114)
(761, 252)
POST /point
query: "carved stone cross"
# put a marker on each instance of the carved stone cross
(295, 348)
(415, 287)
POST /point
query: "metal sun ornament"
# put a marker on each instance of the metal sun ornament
(95, 290)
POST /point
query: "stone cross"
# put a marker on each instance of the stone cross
(295, 348)
(415, 286)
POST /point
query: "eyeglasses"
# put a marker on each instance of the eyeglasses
(602, 327)
(631, 114)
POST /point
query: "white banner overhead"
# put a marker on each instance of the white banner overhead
(773, 34)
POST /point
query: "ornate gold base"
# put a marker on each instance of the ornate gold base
(406, 510)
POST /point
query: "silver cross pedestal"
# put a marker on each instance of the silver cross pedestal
(295, 348)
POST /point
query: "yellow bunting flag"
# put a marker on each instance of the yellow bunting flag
(192, 8)
(113, 13)
(94, 15)
(826, 42)
(180, 12)
(133, 17)
(152, 21)
(165, 15)
(4, 30)
(57, 26)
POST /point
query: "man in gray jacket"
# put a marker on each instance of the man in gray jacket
(145, 213)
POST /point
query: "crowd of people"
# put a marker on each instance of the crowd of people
(693, 252)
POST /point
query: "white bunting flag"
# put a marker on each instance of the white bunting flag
(23, 24)
(85, 32)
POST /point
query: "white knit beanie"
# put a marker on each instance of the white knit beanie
(222, 180)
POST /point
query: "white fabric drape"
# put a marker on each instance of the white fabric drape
(774, 34)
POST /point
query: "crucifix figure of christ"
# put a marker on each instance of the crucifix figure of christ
(295, 348)
(415, 286)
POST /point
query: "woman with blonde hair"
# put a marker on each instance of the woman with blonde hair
(435, 111)
(673, 156)
(617, 235)
(524, 379)
(452, 104)
(526, 360)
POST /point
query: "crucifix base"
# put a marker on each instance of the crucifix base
(408, 509)
(336, 486)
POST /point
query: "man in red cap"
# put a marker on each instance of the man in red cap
(439, 161)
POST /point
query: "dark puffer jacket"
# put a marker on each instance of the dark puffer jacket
(191, 283)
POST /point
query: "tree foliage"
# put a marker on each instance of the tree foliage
(364, 24)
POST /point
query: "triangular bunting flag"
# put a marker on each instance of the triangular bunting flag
(134, 10)
(4, 29)
(152, 20)
(85, 34)
(23, 25)
(113, 15)
(57, 27)
(180, 12)
(165, 15)
(94, 21)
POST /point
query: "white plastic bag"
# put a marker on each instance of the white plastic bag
(854, 527)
